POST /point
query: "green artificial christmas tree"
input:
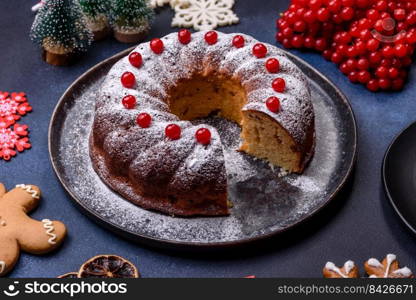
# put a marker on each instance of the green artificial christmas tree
(96, 12)
(94, 8)
(130, 19)
(61, 30)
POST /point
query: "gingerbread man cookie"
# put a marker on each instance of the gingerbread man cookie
(349, 270)
(388, 268)
(19, 232)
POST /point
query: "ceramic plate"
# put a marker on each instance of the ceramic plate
(399, 175)
(265, 202)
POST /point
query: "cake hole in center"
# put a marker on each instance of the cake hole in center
(202, 96)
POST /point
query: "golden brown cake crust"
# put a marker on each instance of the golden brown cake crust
(182, 207)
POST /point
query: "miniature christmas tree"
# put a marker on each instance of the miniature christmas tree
(96, 12)
(61, 30)
(94, 8)
(130, 19)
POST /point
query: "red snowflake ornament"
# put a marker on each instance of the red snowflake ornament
(19, 97)
(4, 95)
(12, 107)
(12, 140)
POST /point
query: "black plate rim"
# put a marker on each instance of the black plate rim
(384, 177)
(177, 245)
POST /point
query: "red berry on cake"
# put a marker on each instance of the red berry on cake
(238, 41)
(157, 46)
(184, 36)
(173, 131)
(128, 79)
(135, 59)
(211, 37)
(144, 120)
(273, 104)
(203, 136)
(259, 50)
(272, 65)
(279, 85)
(129, 101)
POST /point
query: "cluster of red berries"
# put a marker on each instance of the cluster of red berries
(372, 41)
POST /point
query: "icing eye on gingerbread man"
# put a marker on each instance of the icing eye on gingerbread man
(388, 268)
(20, 232)
(349, 270)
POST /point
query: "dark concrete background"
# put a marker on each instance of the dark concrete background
(358, 225)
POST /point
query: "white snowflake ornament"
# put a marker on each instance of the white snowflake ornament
(204, 14)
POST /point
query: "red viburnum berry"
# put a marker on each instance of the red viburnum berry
(384, 83)
(211, 37)
(273, 65)
(273, 104)
(173, 131)
(129, 101)
(184, 36)
(135, 59)
(364, 76)
(279, 85)
(373, 85)
(353, 77)
(144, 120)
(203, 136)
(128, 79)
(363, 64)
(382, 72)
(238, 41)
(156, 45)
(259, 50)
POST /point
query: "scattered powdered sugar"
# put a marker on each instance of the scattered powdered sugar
(264, 200)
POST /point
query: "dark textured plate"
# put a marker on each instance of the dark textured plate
(399, 175)
(265, 202)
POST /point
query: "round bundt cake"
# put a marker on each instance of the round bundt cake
(143, 144)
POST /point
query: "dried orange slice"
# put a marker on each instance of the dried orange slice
(69, 275)
(108, 266)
